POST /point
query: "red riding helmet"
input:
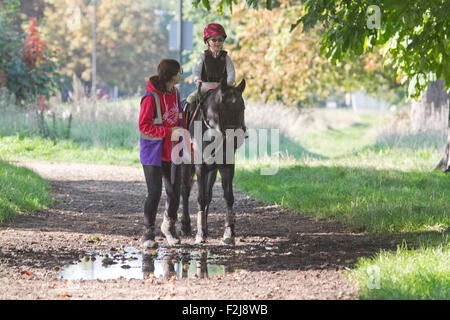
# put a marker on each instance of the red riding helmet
(213, 30)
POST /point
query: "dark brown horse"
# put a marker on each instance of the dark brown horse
(217, 133)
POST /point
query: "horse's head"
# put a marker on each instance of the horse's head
(225, 108)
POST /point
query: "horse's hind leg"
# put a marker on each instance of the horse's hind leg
(187, 172)
(227, 174)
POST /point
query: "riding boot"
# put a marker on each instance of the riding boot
(169, 231)
(148, 239)
(201, 227)
(228, 236)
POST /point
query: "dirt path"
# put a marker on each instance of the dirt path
(278, 255)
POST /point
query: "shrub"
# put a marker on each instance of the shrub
(26, 68)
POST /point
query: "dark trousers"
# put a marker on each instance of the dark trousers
(154, 177)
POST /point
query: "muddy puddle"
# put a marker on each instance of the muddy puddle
(132, 263)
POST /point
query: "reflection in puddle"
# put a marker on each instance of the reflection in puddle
(131, 263)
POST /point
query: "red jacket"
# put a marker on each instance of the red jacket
(170, 108)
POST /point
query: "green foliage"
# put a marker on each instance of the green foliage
(280, 64)
(21, 190)
(414, 33)
(25, 62)
(222, 4)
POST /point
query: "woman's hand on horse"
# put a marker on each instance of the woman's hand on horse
(176, 128)
(197, 82)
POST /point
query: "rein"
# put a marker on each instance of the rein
(198, 105)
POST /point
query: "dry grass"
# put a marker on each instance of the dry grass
(100, 110)
(399, 132)
(297, 123)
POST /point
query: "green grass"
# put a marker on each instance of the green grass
(375, 200)
(333, 143)
(21, 190)
(17, 148)
(405, 274)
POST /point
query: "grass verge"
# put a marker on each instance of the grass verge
(365, 198)
(21, 190)
(405, 274)
(19, 148)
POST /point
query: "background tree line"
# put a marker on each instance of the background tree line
(132, 36)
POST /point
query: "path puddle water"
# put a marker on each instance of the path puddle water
(131, 263)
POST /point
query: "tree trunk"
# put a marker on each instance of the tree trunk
(430, 112)
(444, 164)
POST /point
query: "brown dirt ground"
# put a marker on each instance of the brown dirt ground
(278, 255)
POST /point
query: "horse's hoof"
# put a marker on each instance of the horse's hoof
(200, 239)
(229, 241)
(185, 233)
(186, 230)
(228, 236)
(149, 244)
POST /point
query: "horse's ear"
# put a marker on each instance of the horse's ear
(241, 86)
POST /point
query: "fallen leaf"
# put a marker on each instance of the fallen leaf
(26, 273)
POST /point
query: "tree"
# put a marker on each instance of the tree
(415, 34)
(287, 66)
(131, 40)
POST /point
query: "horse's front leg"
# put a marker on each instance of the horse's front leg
(187, 173)
(200, 170)
(227, 174)
(211, 176)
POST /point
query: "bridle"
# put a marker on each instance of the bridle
(222, 126)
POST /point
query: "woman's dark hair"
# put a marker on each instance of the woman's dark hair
(167, 68)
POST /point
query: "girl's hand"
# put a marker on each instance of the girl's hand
(197, 82)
